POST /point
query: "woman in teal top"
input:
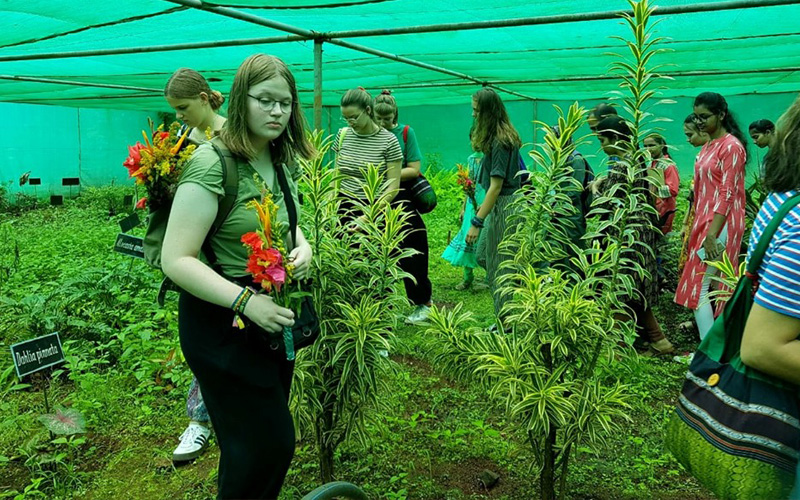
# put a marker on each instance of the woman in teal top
(245, 384)
(458, 251)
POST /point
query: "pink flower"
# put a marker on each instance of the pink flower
(141, 204)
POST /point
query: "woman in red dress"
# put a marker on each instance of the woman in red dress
(719, 204)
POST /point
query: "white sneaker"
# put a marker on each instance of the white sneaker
(419, 316)
(194, 441)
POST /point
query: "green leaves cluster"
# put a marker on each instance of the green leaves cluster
(566, 296)
(356, 288)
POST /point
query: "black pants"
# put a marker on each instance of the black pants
(418, 293)
(245, 386)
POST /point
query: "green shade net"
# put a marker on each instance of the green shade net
(751, 55)
(754, 50)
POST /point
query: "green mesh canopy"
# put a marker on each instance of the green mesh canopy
(733, 51)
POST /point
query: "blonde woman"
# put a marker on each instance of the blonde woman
(197, 106)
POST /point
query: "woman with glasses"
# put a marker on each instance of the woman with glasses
(719, 205)
(498, 140)
(197, 106)
(245, 384)
(363, 142)
(418, 287)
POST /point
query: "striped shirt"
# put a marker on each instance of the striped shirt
(779, 274)
(354, 152)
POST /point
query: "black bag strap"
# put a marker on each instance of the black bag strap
(230, 182)
(291, 208)
(766, 237)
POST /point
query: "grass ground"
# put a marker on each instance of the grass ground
(433, 444)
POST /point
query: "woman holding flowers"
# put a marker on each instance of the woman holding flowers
(245, 384)
(197, 106)
(498, 140)
(458, 252)
(418, 286)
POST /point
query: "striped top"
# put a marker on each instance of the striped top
(354, 152)
(779, 274)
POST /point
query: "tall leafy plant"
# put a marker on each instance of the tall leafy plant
(565, 320)
(356, 279)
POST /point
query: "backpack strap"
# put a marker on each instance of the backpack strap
(766, 237)
(230, 182)
(291, 208)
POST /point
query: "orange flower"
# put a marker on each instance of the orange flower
(253, 240)
(263, 216)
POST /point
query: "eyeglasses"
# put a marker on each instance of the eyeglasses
(269, 105)
(352, 120)
(701, 118)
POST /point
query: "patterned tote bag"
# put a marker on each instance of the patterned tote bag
(735, 429)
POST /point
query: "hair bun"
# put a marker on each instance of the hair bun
(386, 92)
(216, 99)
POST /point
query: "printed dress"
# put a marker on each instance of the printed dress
(718, 189)
(458, 252)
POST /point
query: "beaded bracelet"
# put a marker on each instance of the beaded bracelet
(241, 300)
(477, 222)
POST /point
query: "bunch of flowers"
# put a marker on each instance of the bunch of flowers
(467, 184)
(157, 165)
(269, 264)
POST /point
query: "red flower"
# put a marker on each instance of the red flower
(164, 135)
(133, 159)
(141, 204)
(253, 240)
(266, 266)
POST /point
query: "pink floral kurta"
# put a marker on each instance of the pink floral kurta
(719, 189)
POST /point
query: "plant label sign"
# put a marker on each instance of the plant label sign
(129, 222)
(37, 354)
(129, 245)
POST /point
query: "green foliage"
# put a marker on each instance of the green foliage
(9, 251)
(356, 285)
(563, 298)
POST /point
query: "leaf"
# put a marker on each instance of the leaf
(64, 421)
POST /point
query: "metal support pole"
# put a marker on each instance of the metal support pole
(419, 64)
(155, 48)
(76, 83)
(566, 18)
(318, 84)
(676, 74)
(250, 18)
(235, 14)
